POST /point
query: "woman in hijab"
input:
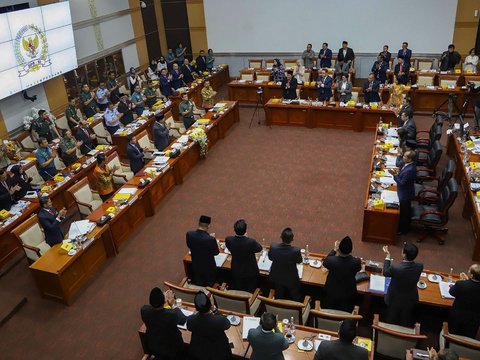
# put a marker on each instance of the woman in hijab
(21, 179)
(278, 71)
(133, 79)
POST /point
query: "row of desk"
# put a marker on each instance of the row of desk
(60, 277)
(312, 115)
(423, 99)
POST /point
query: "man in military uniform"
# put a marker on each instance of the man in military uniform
(71, 114)
(88, 99)
(150, 94)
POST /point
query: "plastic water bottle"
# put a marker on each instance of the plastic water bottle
(307, 254)
(292, 326)
(450, 276)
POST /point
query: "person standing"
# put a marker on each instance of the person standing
(185, 108)
(88, 100)
(201, 62)
(449, 59)
(71, 114)
(133, 80)
(401, 71)
(344, 89)
(22, 180)
(379, 69)
(278, 71)
(208, 95)
(138, 100)
(324, 85)
(125, 109)
(69, 147)
(371, 87)
(405, 179)
(135, 155)
(7, 191)
(464, 314)
(163, 337)
(284, 272)
(402, 295)
(44, 127)
(50, 220)
(176, 77)
(170, 59)
(112, 118)
(150, 94)
(244, 263)
(325, 57)
(308, 57)
(341, 286)
(406, 54)
(161, 131)
(346, 54)
(289, 86)
(343, 348)
(165, 85)
(203, 248)
(209, 341)
(46, 160)
(102, 96)
(210, 60)
(104, 177)
(113, 87)
(189, 74)
(180, 53)
(87, 137)
(299, 72)
(471, 61)
(386, 54)
(267, 341)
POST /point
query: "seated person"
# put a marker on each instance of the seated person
(289, 86)
(45, 160)
(7, 191)
(150, 94)
(344, 89)
(379, 69)
(278, 71)
(401, 71)
(324, 86)
(50, 220)
(112, 118)
(409, 125)
(125, 110)
(20, 179)
(471, 61)
(449, 59)
(189, 73)
(404, 146)
(371, 87)
(69, 147)
(87, 137)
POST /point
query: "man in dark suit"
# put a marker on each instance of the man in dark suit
(203, 248)
(244, 263)
(177, 80)
(325, 57)
(402, 296)
(284, 272)
(135, 155)
(449, 59)
(343, 348)
(125, 110)
(50, 220)
(87, 136)
(164, 339)
(341, 287)
(188, 72)
(386, 54)
(464, 315)
(267, 341)
(7, 191)
(405, 53)
(405, 179)
(346, 54)
(409, 125)
(371, 87)
(209, 340)
(201, 61)
(289, 86)
(401, 71)
(161, 132)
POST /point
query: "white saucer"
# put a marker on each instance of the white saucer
(72, 252)
(315, 263)
(422, 284)
(305, 345)
(434, 278)
(234, 320)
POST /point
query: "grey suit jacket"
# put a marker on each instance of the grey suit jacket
(266, 345)
(347, 91)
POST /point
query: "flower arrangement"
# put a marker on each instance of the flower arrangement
(199, 136)
(29, 119)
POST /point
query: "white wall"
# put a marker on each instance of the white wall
(130, 56)
(81, 10)
(252, 26)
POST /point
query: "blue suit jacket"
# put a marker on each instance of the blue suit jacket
(326, 91)
(135, 155)
(176, 81)
(406, 57)
(406, 182)
(165, 86)
(51, 227)
(326, 62)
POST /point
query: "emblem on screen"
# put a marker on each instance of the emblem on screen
(31, 50)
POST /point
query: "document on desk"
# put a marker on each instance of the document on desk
(125, 190)
(379, 283)
(220, 259)
(249, 322)
(387, 180)
(78, 228)
(389, 196)
(391, 161)
(445, 289)
(264, 263)
(187, 313)
(392, 132)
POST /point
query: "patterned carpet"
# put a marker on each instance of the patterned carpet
(313, 180)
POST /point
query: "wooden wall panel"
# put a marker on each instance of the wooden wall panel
(196, 21)
(56, 95)
(466, 25)
(161, 27)
(137, 23)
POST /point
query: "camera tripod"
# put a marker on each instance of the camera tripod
(458, 116)
(258, 106)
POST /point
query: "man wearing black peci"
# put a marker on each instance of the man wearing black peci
(289, 86)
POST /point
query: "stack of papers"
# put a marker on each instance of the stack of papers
(379, 283)
(391, 161)
(220, 259)
(161, 159)
(79, 228)
(392, 132)
(19, 207)
(390, 197)
(445, 289)
(249, 322)
(264, 263)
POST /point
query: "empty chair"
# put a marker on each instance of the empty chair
(269, 63)
(425, 138)
(247, 74)
(464, 346)
(425, 80)
(330, 319)
(31, 170)
(392, 340)
(285, 309)
(448, 81)
(434, 217)
(30, 235)
(177, 128)
(185, 290)
(123, 90)
(25, 141)
(255, 63)
(62, 124)
(103, 136)
(123, 173)
(427, 173)
(263, 75)
(430, 194)
(423, 64)
(87, 200)
(236, 300)
(289, 63)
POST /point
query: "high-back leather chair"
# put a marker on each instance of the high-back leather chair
(31, 236)
(285, 309)
(186, 290)
(123, 174)
(330, 319)
(427, 194)
(430, 163)
(25, 141)
(236, 300)
(87, 199)
(177, 128)
(103, 136)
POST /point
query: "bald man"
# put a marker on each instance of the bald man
(465, 312)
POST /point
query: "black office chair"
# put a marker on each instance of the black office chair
(427, 172)
(434, 134)
(433, 218)
(429, 194)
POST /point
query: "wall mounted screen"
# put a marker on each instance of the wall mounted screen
(35, 45)
(253, 26)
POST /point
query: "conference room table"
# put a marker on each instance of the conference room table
(240, 346)
(379, 224)
(127, 215)
(471, 208)
(313, 114)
